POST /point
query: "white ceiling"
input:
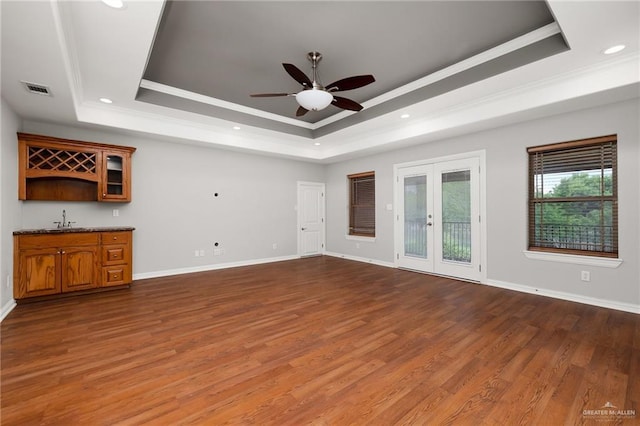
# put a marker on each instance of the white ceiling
(85, 50)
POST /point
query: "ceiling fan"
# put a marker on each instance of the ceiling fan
(313, 96)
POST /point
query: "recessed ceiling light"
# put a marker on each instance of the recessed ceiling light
(614, 49)
(236, 127)
(317, 144)
(116, 4)
(106, 101)
(405, 116)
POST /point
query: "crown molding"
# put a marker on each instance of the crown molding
(514, 102)
(204, 99)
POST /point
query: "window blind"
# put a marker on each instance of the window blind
(362, 213)
(573, 205)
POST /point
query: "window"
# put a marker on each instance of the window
(362, 204)
(573, 197)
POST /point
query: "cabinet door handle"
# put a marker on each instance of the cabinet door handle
(115, 238)
(63, 252)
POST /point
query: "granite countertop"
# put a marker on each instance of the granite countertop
(73, 230)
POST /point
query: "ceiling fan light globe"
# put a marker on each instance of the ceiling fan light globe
(314, 99)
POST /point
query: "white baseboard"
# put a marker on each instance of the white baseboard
(8, 307)
(361, 259)
(179, 271)
(611, 304)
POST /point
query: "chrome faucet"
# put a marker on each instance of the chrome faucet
(64, 223)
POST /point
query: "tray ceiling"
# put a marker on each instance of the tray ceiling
(207, 57)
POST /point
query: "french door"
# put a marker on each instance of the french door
(438, 218)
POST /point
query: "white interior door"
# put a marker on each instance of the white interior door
(438, 218)
(310, 218)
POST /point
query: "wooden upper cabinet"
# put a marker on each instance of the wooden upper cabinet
(115, 176)
(67, 170)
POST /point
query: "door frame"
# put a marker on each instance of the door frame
(397, 200)
(298, 209)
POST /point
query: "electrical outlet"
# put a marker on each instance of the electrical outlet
(8, 281)
(585, 276)
(196, 253)
(357, 245)
(116, 212)
(275, 246)
(201, 253)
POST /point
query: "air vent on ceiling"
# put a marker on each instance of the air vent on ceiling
(38, 89)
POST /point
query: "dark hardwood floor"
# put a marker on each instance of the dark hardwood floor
(320, 341)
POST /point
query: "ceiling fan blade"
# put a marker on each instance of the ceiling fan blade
(301, 111)
(268, 95)
(345, 103)
(298, 75)
(350, 83)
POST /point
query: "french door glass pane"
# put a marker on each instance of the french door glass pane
(456, 216)
(415, 216)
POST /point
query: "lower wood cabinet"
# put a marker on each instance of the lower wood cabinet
(54, 263)
(39, 273)
(116, 258)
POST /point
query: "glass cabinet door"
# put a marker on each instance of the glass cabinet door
(115, 176)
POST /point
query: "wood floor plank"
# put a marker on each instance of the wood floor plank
(316, 341)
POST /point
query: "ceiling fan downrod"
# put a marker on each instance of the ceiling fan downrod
(315, 58)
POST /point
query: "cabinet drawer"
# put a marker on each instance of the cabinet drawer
(58, 240)
(116, 238)
(116, 275)
(114, 255)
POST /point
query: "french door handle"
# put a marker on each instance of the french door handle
(429, 224)
(303, 229)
